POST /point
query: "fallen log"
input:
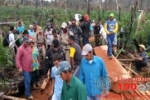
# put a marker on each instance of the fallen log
(2, 23)
(45, 82)
(11, 98)
(125, 59)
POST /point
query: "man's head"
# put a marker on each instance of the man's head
(31, 27)
(11, 28)
(57, 59)
(26, 41)
(19, 23)
(55, 45)
(35, 23)
(71, 39)
(48, 27)
(64, 70)
(64, 27)
(87, 52)
(142, 47)
(73, 22)
(111, 16)
(25, 33)
(54, 33)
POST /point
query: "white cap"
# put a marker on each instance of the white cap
(64, 25)
(86, 49)
(30, 26)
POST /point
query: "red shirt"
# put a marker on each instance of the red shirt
(24, 58)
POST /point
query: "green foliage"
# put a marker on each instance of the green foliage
(6, 59)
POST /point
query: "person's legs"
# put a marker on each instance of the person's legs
(109, 50)
(85, 40)
(139, 64)
(77, 71)
(27, 83)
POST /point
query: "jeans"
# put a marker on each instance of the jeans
(110, 39)
(35, 76)
(93, 98)
(139, 64)
(85, 40)
(77, 71)
(27, 83)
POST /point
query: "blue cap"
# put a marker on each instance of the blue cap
(26, 39)
(63, 66)
(35, 22)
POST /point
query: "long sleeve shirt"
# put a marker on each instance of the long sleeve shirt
(90, 73)
(24, 58)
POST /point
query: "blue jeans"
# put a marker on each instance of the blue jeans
(85, 40)
(110, 39)
(27, 83)
(35, 76)
(77, 71)
(93, 98)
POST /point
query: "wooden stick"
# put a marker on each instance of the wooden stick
(12, 98)
(140, 94)
(122, 97)
(2, 23)
(129, 69)
(125, 59)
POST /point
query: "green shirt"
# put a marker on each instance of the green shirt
(75, 90)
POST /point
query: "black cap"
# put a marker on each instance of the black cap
(55, 43)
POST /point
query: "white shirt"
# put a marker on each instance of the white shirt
(49, 36)
(102, 32)
(11, 40)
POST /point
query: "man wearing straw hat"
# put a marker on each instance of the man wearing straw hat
(141, 60)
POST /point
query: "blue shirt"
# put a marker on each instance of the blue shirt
(58, 82)
(111, 25)
(20, 29)
(31, 33)
(90, 73)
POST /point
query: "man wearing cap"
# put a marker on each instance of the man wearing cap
(73, 88)
(56, 48)
(76, 30)
(40, 41)
(92, 68)
(64, 39)
(141, 60)
(85, 26)
(111, 28)
(36, 27)
(24, 64)
(49, 37)
(31, 31)
(75, 55)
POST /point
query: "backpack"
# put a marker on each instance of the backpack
(6, 40)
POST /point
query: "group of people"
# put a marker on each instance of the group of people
(68, 56)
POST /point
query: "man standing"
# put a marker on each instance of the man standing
(85, 26)
(111, 28)
(75, 55)
(64, 39)
(24, 64)
(56, 48)
(76, 30)
(49, 37)
(55, 35)
(92, 68)
(31, 31)
(73, 88)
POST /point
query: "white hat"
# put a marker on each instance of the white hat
(64, 25)
(86, 49)
(142, 46)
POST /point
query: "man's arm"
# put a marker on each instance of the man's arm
(53, 82)
(116, 28)
(105, 28)
(18, 59)
(72, 53)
